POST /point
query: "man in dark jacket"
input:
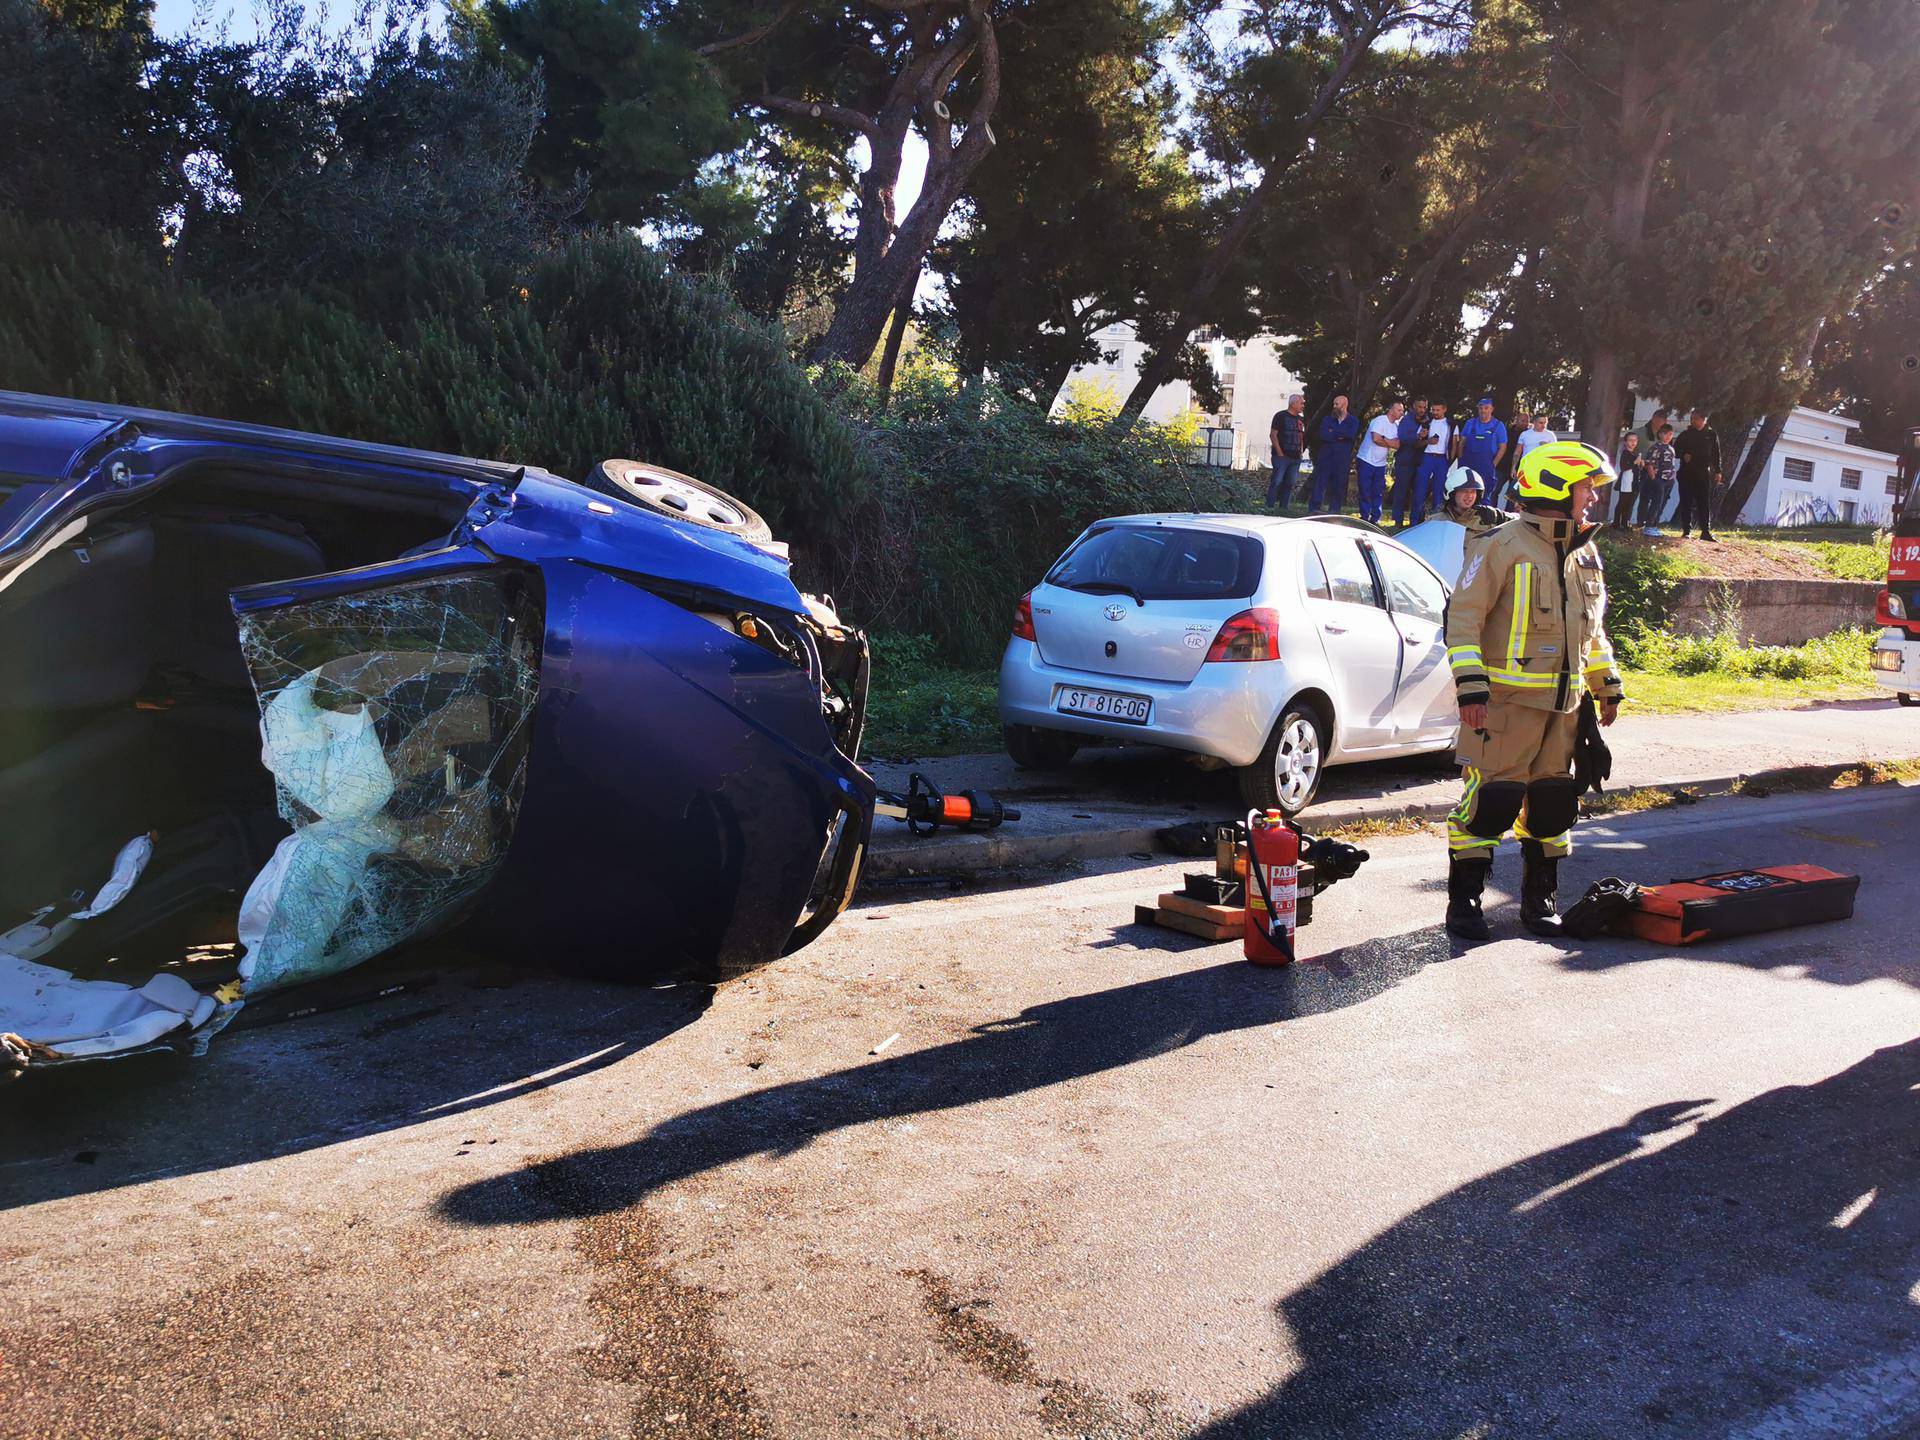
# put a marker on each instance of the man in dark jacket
(1699, 452)
(1333, 457)
(1289, 437)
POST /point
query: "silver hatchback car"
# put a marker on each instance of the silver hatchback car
(1277, 646)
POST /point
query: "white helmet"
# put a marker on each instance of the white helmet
(1463, 475)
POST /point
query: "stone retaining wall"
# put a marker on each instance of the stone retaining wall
(1775, 612)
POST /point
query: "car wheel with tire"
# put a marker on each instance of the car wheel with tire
(679, 497)
(1286, 776)
(1036, 749)
(1906, 699)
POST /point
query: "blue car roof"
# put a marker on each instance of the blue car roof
(43, 437)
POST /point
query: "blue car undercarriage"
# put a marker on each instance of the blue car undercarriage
(272, 704)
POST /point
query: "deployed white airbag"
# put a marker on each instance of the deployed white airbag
(75, 1019)
(71, 1019)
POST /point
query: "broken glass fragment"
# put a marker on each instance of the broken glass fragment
(396, 725)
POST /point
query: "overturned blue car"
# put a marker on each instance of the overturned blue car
(272, 704)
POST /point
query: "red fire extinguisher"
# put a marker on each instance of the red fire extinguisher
(1273, 888)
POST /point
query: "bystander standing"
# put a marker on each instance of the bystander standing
(1431, 493)
(1481, 445)
(1533, 437)
(1660, 466)
(1699, 452)
(1632, 482)
(1289, 437)
(1376, 453)
(1332, 457)
(1650, 432)
(1406, 460)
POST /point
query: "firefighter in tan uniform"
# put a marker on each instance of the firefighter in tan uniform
(1525, 631)
(1465, 487)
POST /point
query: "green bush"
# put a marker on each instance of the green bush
(1841, 656)
(980, 490)
(1642, 581)
(597, 350)
(920, 706)
(927, 516)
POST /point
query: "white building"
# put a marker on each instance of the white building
(1253, 384)
(1815, 463)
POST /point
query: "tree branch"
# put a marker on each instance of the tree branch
(820, 110)
(755, 35)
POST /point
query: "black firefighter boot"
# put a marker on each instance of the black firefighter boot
(1466, 878)
(1538, 882)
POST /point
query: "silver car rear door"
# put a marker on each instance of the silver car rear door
(1361, 641)
(1424, 709)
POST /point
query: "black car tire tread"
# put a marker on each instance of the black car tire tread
(1257, 788)
(1036, 749)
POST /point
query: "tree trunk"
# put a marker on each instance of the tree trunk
(1754, 463)
(890, 358)
(1752, 467)
(886, 257)
(1642, 138)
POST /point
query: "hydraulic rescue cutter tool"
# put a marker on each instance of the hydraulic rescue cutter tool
(926, 809)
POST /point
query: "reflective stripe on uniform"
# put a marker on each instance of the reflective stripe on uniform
(1520, 679)
(1464, 657)
(1558, 846)
(1522, 603)
(1458, 836)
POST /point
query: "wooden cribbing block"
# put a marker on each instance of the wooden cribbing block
(1200, 910)
(1186, 924)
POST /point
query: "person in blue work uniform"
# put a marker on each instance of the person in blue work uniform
(1376, 454)
(1434, 461)
(1406, 460)
(1334, 439)
(1481, 443)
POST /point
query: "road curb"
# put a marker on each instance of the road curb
(1005, 852)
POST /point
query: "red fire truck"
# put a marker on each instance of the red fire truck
(1896, 655)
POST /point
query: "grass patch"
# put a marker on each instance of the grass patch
(1846, 552)
(918, 706)
(1378, 828)
(1628, 802)
(1692, 674)
(1662, 694)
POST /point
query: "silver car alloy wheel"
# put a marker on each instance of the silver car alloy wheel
(687, 499)
(1296, 762)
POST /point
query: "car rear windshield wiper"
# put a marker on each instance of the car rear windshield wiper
(1109, 587)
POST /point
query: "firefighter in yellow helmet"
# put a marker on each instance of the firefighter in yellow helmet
(1525, 630)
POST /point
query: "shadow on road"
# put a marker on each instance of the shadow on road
(458, 1042)
(1043, 1045)
(1646, 1279)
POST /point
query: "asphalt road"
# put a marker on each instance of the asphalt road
(1095, 1181)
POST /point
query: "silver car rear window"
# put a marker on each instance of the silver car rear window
(1161, 562)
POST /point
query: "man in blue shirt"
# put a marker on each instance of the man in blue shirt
(1333, 457)
(1406, 460)
(1481, 441)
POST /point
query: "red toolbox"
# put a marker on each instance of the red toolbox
(1739, 902)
